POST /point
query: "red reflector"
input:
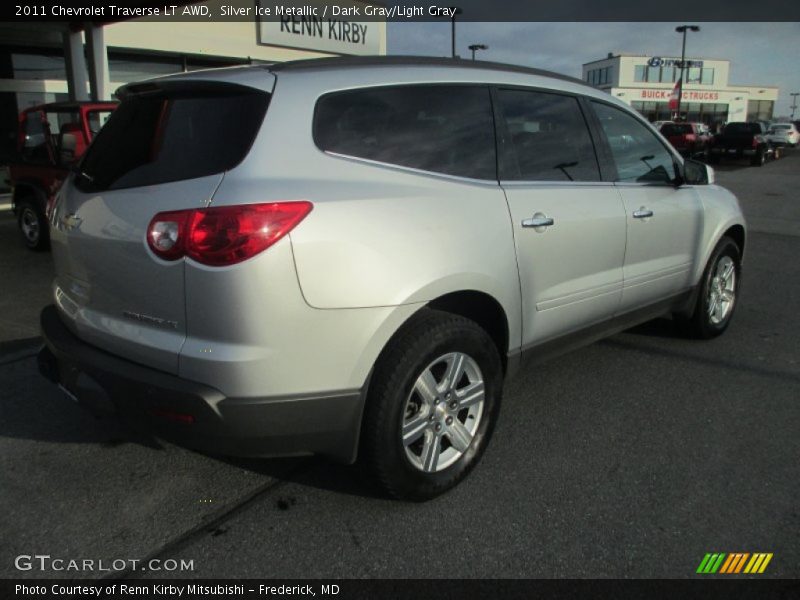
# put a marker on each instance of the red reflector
(173, 416)
(223, 235)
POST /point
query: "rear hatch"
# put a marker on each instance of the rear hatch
(165, 148)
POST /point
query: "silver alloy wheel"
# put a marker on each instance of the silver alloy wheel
(29, 223)
(722, 290)
(443, 412)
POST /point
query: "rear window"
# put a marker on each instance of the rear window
(157, 137)
(742, 128)
(440, 128)
(676, 129)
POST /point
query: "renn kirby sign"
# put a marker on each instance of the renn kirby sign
(319, 28)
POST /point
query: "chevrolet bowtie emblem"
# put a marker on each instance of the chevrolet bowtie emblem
(71, 221)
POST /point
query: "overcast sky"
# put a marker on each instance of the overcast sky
(760, 53)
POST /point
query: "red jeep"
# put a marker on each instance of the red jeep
(51, 138)
(690, 139)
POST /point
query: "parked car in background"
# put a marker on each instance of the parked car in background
(363, 288)
(690, 139)
(51, 138)
(784, 134)
(743, 140)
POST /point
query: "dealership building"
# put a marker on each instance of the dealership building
(56, 61)
(645, 82)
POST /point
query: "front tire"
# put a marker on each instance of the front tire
(33, 226)
(718, 293)
(432, 406)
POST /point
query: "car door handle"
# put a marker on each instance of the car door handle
(642, 213)
(538, 221)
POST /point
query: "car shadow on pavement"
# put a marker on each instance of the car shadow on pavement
(315, 472)
(733, 165)
(663, 327)
(12, 350)
(34, 409)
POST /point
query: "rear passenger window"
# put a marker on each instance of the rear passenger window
(638, 154)
(445, 129)
(548, 139)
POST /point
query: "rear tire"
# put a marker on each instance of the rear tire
(718, 293)
(33, 226)
(432, 406)
(759, 159)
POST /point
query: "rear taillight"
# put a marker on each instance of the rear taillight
(690, 137)
(757, 139)
(224, 235)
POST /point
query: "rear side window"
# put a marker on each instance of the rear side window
(445, 129)
(159, 137)
(549, 138)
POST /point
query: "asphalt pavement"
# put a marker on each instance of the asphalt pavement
(632, 457)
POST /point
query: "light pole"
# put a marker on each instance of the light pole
(794, 96)
(683, 29)
(457, 11)
(474, 47)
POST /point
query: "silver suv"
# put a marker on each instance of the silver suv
(347, 257)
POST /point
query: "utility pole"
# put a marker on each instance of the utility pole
(794, 96)
(456, 11)
(683, 29)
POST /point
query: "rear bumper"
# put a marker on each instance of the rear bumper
(196, 415)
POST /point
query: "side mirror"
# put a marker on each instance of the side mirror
(697, 173)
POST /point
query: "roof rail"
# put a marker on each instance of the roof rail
(411, 61)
